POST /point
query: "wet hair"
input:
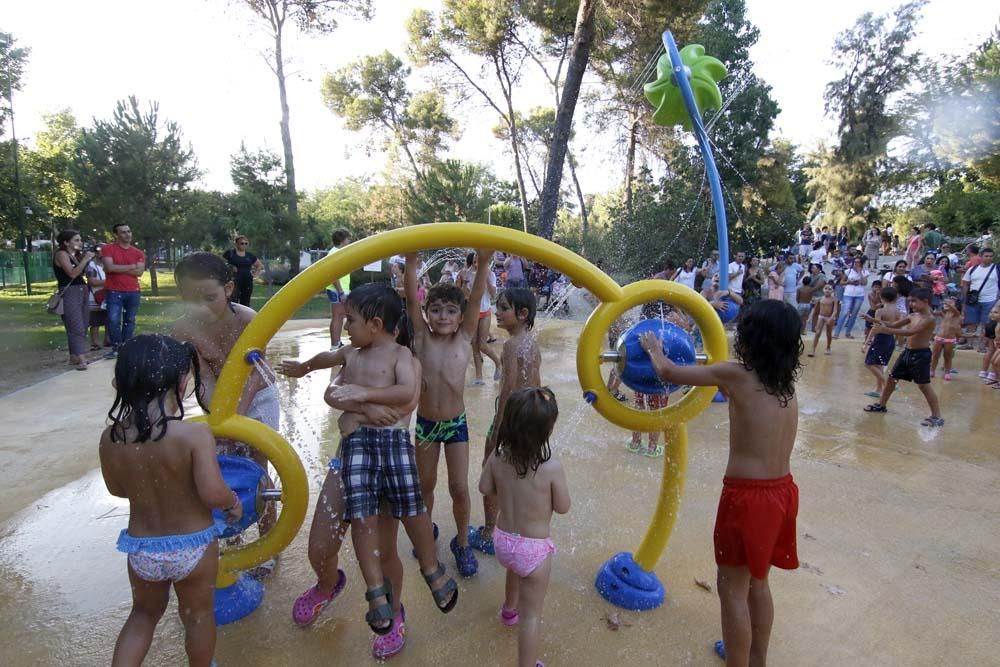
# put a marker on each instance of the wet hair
(921, 294)
(902, 285)
(404, 331)
(470, 259)
(528, 419)
(807, 281)
(520, 299)
(149, 367)
(374, 300)
(446, 293)
(340, 235)
(769, 343)
(889, 294)
(65, 236)
(203, 266)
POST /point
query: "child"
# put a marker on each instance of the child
(880, 346)
(914, 364)
(443, 344)
(947, 336)
(874, 303)
(715, 297)
(529, 484)
(615, 331)
(521, 363)
(803, 300)
(755, 525)
(827, 308)
(656, 310)
(480, 341)
(991, 359)
(212, 325)
(378, 462)
(328, 525)
(167, 469)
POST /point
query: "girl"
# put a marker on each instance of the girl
(752, 282)
(656, 310)
(776, 282)
(826, 316)
(168, 471)
(913, 246)
(530, 485)
(946, 337)
(687, 273)
(991, 359)
(70, 265)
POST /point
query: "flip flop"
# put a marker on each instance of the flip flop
(311, 604)
(263, 570)
(655, 454)
(388, 645)
(875, 407)
(634, 447)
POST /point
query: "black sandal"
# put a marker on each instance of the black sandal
(443, 594)
(383, 612)
(876, 407)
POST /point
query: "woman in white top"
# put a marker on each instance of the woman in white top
(686, 274)
(818, 253)
(854, 296)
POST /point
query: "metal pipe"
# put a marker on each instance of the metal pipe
(270, 494)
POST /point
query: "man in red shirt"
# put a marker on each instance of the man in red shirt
(123, 263)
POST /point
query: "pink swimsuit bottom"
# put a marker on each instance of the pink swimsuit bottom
(521, 555)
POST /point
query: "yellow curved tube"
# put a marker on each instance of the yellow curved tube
(669, 501)
(294, 494)
(615, 300)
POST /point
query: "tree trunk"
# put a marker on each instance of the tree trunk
(583, 39)
(286, 142)
(633, 130)
(151, 265)
(584, 226)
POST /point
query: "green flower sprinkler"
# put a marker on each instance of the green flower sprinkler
(704, 73)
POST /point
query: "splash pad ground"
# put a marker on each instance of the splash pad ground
(896, 534)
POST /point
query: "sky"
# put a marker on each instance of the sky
(201, 61)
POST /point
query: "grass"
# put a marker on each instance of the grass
(32, 338)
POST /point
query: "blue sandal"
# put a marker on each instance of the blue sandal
(477, 541)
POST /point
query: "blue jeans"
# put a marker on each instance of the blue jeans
(122, 309)
(849, 313)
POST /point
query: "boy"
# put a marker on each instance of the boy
(803, 300)
(443, 344)
(378, 462)
(947, 336)
(826, 308)
(914, 364)
(755, 525)
(880, 346)
(874, 303)
(212, 324)
(521, 361)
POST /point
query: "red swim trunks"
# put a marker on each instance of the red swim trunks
(755, 526)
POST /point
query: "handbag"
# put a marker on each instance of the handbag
(972, 296)
(54, 305)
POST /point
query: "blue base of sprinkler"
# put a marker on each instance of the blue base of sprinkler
(719, 397)
(624, 584)
(238, 601)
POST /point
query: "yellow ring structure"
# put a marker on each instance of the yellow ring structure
(615, 300)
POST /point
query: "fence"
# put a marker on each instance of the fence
(17, 267)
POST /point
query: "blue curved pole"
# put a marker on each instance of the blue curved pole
(714, 184)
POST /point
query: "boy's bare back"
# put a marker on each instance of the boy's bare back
(761, 429)
(165, 480)
(804, 294)
(527, 503)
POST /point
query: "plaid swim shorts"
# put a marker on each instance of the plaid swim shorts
(379, 464)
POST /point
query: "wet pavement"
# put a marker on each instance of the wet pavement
(897, 534)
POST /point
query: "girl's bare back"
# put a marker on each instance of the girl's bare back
(164, 480)
(527, 503)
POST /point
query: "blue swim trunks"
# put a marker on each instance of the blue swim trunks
(881, 350)
(447, 431)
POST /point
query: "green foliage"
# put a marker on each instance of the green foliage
(133, 169)
(257, 206)
(50, 166)
(452, 191)
(371, 94)
(13, 62)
